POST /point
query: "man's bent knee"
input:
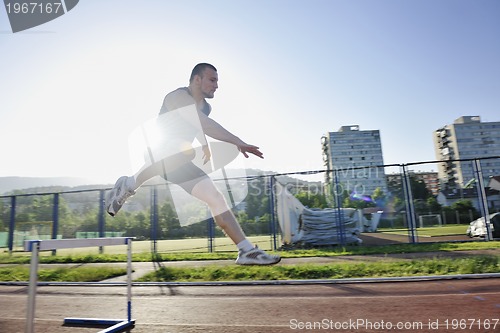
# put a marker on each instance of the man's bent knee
(217, 203)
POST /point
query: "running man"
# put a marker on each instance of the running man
(178, 168)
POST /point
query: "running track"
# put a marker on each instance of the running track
(268, 308)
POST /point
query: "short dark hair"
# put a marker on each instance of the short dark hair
(198, 70)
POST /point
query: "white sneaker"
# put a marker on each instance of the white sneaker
(118, 195)
(257, 257)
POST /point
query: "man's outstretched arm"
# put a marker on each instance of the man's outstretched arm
(214, 130)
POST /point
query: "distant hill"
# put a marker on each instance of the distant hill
(9, 184)
(59, 184)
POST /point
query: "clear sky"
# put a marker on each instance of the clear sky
(73, 89)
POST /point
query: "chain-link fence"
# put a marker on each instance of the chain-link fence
(411, 206)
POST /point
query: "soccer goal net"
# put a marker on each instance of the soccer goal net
(431, 220)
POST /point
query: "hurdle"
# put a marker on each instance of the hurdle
(35, 246)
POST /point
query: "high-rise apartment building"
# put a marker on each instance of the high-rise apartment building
(429, 178)
(357, 157)
(466, 138)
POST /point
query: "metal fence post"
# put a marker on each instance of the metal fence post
(101, 218)
(340, 220)
(211, 234)
(55, 218)
(154, 218)
(272, 220)
(410, 208)
(483, 200)
(12, 223)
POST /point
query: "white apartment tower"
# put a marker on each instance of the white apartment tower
(356, 155)
(466, 138)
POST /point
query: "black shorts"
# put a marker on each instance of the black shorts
(186, 176)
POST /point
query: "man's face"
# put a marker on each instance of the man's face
(209, 83)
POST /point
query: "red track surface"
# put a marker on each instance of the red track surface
(470, 305)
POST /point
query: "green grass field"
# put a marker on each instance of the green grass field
(192, 245)
(224, 244)
(199, 245)
(446, 230)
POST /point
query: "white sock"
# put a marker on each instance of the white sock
(245, 245)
